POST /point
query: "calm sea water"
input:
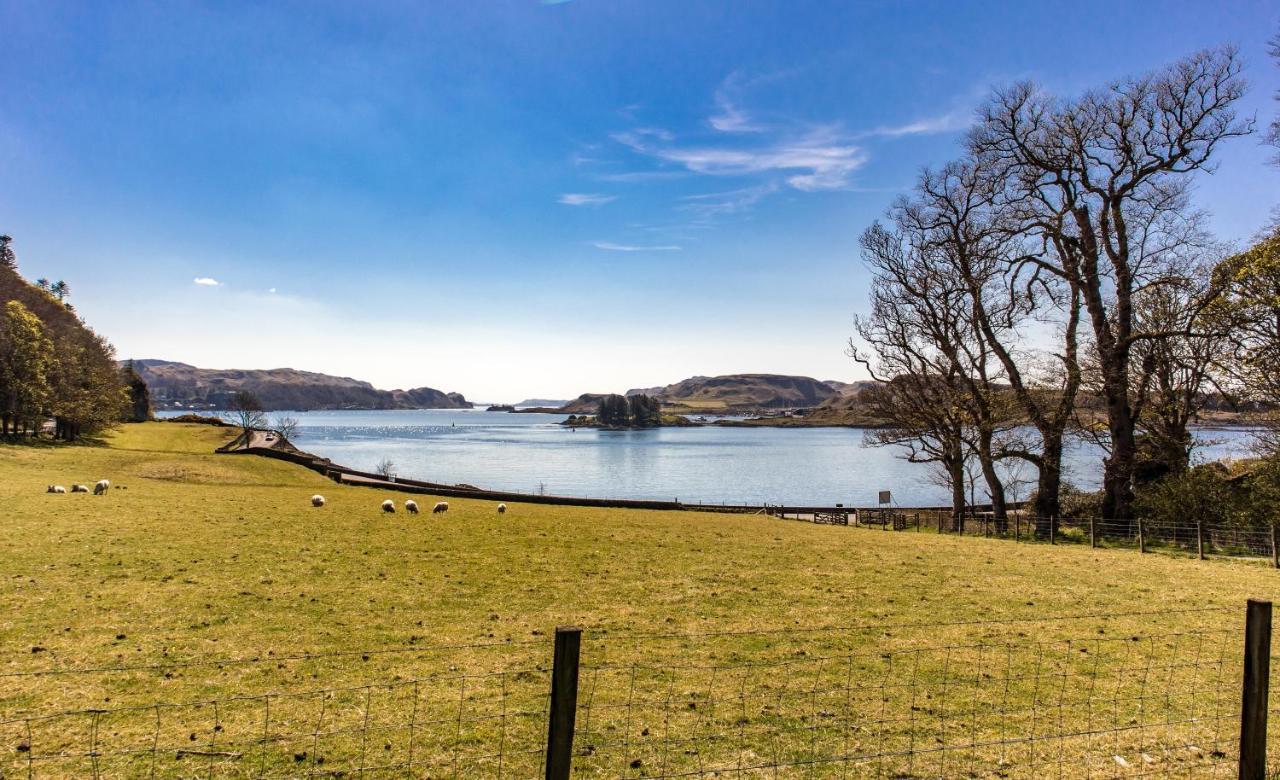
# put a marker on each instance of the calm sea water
(711, 464)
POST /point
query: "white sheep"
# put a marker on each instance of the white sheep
(317, 500)
(79, 489)
(411, 507)
(502, 509)
(389, 506)
(101, 487)
(441, 506)
(56, 489)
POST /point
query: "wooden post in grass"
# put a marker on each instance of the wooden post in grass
(1017, 527)
(564, 702)
(1257, 679)
(1199, 538)
(1093, 533)
(1053, 530)
(1142, 540)
(1275, 549)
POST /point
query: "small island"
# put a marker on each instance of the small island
(620, 412)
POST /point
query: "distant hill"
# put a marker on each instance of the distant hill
(742, 392)
(179, 386)
(551, 402)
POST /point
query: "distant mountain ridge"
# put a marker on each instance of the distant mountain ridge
(177, 385)
(742, 392)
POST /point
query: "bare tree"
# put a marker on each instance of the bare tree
(957, 213)
(247, 412)
(386, 467)
(286, 426)
(1102, 179)
(910, 339)
(1177, 374)
(1273, 132)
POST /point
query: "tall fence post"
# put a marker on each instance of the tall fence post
(1017, 527)
(1053, 529)
(1093, 532)
(564, 702)
(1142, 540)
(1257, 678)
(1200, 539)
(1275, 549)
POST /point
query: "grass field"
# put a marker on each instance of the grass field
(420, 645)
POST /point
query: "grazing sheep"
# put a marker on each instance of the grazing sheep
(389, 506)
(502, 509)
(79, 489)
(101, 487)
(56, 489)
(411, 507)
(441, 506)
(317, 500)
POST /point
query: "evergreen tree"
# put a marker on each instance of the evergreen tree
(26, 354)
(613, 410)
(140, 407)
(8, 259)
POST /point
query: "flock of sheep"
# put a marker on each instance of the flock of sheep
(103, 485)
(100, 488)
(410, 506)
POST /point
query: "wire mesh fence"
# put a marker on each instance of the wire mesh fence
(1188, 536)
(1155, 693)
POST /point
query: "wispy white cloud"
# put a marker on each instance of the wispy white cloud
(612, 247)
(205, 281)
(640, 137)
(643, 176)
(950, 122)
(715, 204)
(730, 118)
(586, 199)
(818, 159)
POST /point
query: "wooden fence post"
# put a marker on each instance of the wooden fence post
(1053, 529)
(1017, 527)
(1142, 541)
(1275, 549)
(1199, 538)
(1257, 678)
(1093, 534)
(564, 702)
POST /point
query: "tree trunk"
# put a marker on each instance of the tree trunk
(995, 487)
(955, 470)
(1117, 477)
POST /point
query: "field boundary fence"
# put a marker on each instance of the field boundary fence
(1171, 692)
(1192, 536)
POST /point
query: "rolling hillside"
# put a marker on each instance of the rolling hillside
(742, 392)
(179, 386)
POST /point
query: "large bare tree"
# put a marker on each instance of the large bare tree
(1102, 179)
(958, 214)
(919, 344)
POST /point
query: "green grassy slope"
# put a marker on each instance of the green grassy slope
(199, 556)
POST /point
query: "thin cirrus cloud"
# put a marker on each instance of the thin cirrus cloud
(586, 199)
(730, 118)
(819, 159)
(612, 247)
(205, 281)
(950, 122)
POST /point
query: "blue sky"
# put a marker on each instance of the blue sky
(525, 198)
